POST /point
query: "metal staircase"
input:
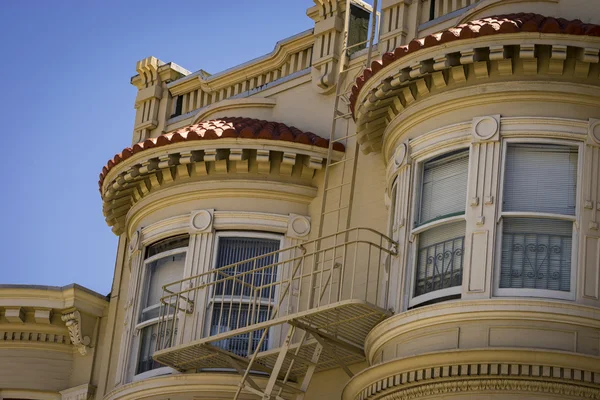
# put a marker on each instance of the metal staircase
(283, 316)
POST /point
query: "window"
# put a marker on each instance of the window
(538, 211)
(440, 226)
(234, 303)
(177, 106)
(164, 263)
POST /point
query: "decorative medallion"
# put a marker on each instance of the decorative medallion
(485, 128)
(201, 220)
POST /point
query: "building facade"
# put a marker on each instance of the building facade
(442, 243)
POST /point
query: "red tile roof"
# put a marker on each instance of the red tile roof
(509, 23)
(226, 127)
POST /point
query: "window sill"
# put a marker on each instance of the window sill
(438, 222)
(427, 297)
(154, 373)
(535, 293)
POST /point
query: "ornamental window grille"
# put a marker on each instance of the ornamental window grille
(164, 263)
(231, 297)
(439, 258)
(540, 184)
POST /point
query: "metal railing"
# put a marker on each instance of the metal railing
(440, 266)
(536, 261)
(223, 302)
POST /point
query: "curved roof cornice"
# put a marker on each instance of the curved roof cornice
(503, 48)
(494, 25)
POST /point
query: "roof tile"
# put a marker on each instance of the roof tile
(508, 23)
(226, 127)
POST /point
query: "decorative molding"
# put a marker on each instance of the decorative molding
(298, 226)
(201, 221)
(81, 392)
(594, 132)
(30, 336)
(14, 314)
(486, 128)
(380, 101)
(232, 104)
(135, 242)
(492, 385)
(189, 162)
(73, 322)
(427, 317)
(42, 315)
(401, 155)
(478, 371)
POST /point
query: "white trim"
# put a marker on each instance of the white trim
(439, 222)
(434, 295)
(412, 258)
(528, 292)
(521, 214)
(153, 373)
(165, 254)
(142, 284)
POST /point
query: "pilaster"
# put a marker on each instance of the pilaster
(401, 181)
(589, 260)
(329, 24)
(394, 25)
(481, 209)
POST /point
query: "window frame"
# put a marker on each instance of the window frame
(140, 309)
(529, 292)
(415, 230)
(274, 332)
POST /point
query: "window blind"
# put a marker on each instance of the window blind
(540, 178)
(444, 188)
(162, 271)
(237, 249)
(536, 254)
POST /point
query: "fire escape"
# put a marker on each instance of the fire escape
(287, 314)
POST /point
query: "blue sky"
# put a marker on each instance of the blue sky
(67, 107)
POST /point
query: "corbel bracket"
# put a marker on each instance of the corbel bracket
(73, 322)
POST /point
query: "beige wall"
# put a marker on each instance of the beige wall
(544, 106)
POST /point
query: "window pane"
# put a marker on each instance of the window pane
(149, 335)
(536, 254)
(226, 318)
(167, 244)
(440, 258)
(236, 249)
(162, 271)
(540, 179)
(444, 189)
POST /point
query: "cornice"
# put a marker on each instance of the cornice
(199, 386)
(284, 164)
(60, 298)
(434, 71)
(479, 310)
(478, 371)
(268, 62)
(485, 94)
(257, 189)
(232, 104)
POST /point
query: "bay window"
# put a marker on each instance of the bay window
(538, 214)
(440, 228)
(234, 303)
(164, 263)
